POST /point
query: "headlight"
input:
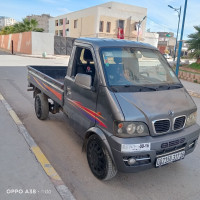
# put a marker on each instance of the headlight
(191, 119)
(130, 129)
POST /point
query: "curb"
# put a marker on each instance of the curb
(38, 56)
(30, 56)
(59, 185)
(194, 94)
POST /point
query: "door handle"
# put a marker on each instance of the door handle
(68, 91)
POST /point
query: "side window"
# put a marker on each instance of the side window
(101, 26)
(83, 63)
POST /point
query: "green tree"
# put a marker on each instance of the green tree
(30, 25)
(34, 24)
(25, 26)
(194, 43)
(38, 29)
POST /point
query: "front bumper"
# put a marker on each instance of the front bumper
(185, 139)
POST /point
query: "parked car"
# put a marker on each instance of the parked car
(124, 100)
(166, 56)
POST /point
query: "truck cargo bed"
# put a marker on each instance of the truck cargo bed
(49, 79)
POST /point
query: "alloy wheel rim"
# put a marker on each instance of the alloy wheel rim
(97, 158)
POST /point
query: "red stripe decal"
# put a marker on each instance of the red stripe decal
(93, 114)
(40, 84)
(54, 92)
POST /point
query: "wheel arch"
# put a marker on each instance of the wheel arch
(101, 134)
(36, 91)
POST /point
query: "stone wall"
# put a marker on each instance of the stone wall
(188, 76)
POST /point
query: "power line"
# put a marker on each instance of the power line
(164, 26)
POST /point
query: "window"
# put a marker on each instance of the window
(121, 24)
(56, 32)
(75, 23)
(67, 32)
(66, 21)
(56, 22)
(108, 27)
(83, 63)
(61, 22)
(101, 26)
(60, 33)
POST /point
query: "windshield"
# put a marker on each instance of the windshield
(136, 67)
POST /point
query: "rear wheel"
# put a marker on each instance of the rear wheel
(41, 106)
(99, 159)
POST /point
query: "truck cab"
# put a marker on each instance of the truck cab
(125, 101)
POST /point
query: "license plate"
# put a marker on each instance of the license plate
(170, 158)
(135, 147)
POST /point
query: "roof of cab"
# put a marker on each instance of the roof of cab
(104, 42)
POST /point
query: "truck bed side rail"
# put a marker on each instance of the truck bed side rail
(46, 84)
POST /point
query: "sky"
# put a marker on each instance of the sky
(159, 16)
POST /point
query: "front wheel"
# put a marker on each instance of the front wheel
(99, 159)
(41, 106)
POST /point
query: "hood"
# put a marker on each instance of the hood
(153, 105)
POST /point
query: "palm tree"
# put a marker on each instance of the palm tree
(194, 43)
(25, 26)
(34, 24)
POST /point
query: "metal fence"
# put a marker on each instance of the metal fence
(63, 45)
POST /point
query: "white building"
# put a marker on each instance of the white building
(6, 21)
(109, 20)
(151, 38)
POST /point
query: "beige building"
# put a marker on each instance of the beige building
(43, 21)
(6, 21)
(109, 20)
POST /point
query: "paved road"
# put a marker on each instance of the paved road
(63, 148)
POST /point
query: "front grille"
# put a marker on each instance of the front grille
(182, 140)
(170, 149)
(179, 122)
(172, 143)
(162, 126)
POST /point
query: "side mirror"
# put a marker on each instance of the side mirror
(84, 80)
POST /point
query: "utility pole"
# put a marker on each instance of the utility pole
(139, 24)
(129, 32)
(178, 10)
(181, 40)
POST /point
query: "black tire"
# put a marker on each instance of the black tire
(99, 159)
(41, 106)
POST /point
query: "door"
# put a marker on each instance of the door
(80, 103)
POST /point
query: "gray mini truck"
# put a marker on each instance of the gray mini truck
(124, 100)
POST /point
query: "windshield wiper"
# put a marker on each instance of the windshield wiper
(174, 86)
(169, 86)
(165, 87)
(141, 87)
